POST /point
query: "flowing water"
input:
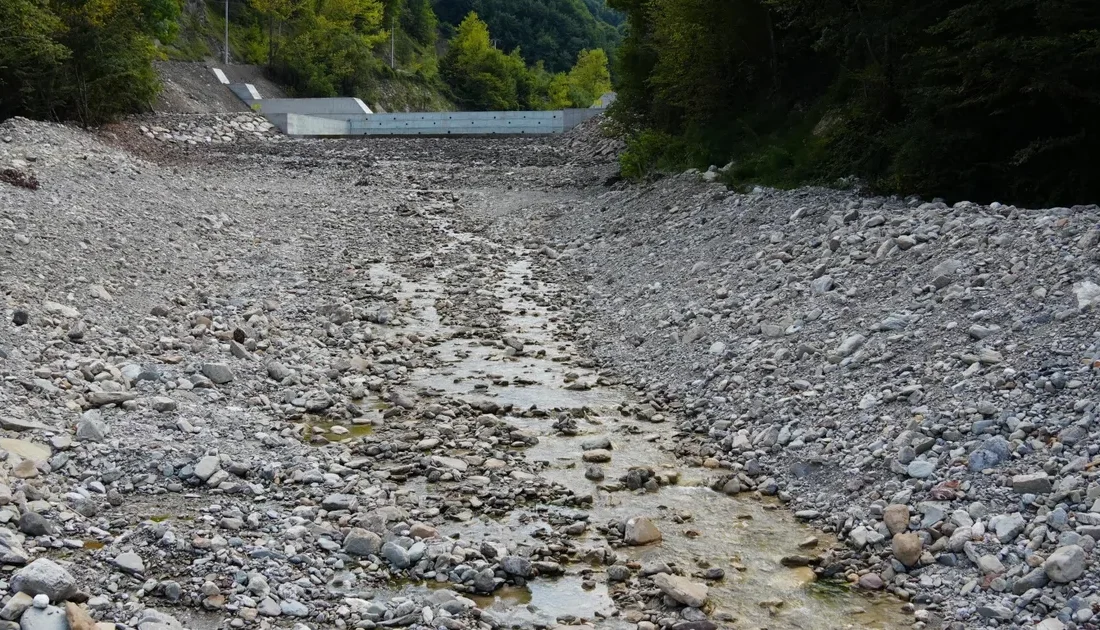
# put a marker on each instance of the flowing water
(743, 536)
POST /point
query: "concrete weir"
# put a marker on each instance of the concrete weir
(351, 117)
(432, 123)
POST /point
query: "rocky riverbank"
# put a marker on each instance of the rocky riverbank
(477, 384)
(920, 379)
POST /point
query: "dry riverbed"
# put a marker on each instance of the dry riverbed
(426, 383)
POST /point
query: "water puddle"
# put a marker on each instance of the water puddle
(318, 431)
(531, 367)
(544, 603)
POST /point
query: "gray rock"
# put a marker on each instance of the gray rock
(1036, 578)
(516, 565)
(15, 606)
(597, 443)
(268, 607)
(129, 562)
(989, 453)
(293, 609)
(337, 502)
(164, 404)
(396, 555)
(361, 542)
(49, 618)
(102, 399)
(1066, 564)
(485, 581)
(219, 373)
(994, 611)
(1007, 526)
(277, 371)
(47, 577)
(681, 589)
(850, 345)
(921, 468)
(34, 524)
(91, 428)
(207, 466)
(1035, 483)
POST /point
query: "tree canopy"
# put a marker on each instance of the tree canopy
(551, 31)
(484, 77)
(963, 99)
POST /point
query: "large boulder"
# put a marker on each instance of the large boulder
(1066, 564)
(46, 577)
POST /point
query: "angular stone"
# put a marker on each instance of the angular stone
(48, 618)
(34, 524)
(101, 399)
(681, 589)
(1036, 578)
(164, 404)
(1035, 483)
(1007, 526)
(907, 549)
(1066, 564)
(516, 565)
(15, 606)
(219, 373)
(361, 542)
(207, 466)
(641, 531)
(896, 518)
(46, 577)
(91, 428)
(129, 562)
(397, 555)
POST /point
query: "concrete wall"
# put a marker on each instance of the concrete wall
(328, 107)
(299, 125)
(429, 123)
(459, 123)
(574, 117)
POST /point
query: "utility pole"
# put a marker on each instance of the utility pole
(227, 32)
(392, 36)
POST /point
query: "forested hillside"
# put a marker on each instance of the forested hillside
(980, 100)
(551, 31)
(91, 60)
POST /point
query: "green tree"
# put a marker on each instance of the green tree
(420, 22)
(480, 75)
(589, 79)
(551, 31)
(32, 61)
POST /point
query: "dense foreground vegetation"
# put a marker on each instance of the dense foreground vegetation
(91, 60)
(974, 99)
(87, 60)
